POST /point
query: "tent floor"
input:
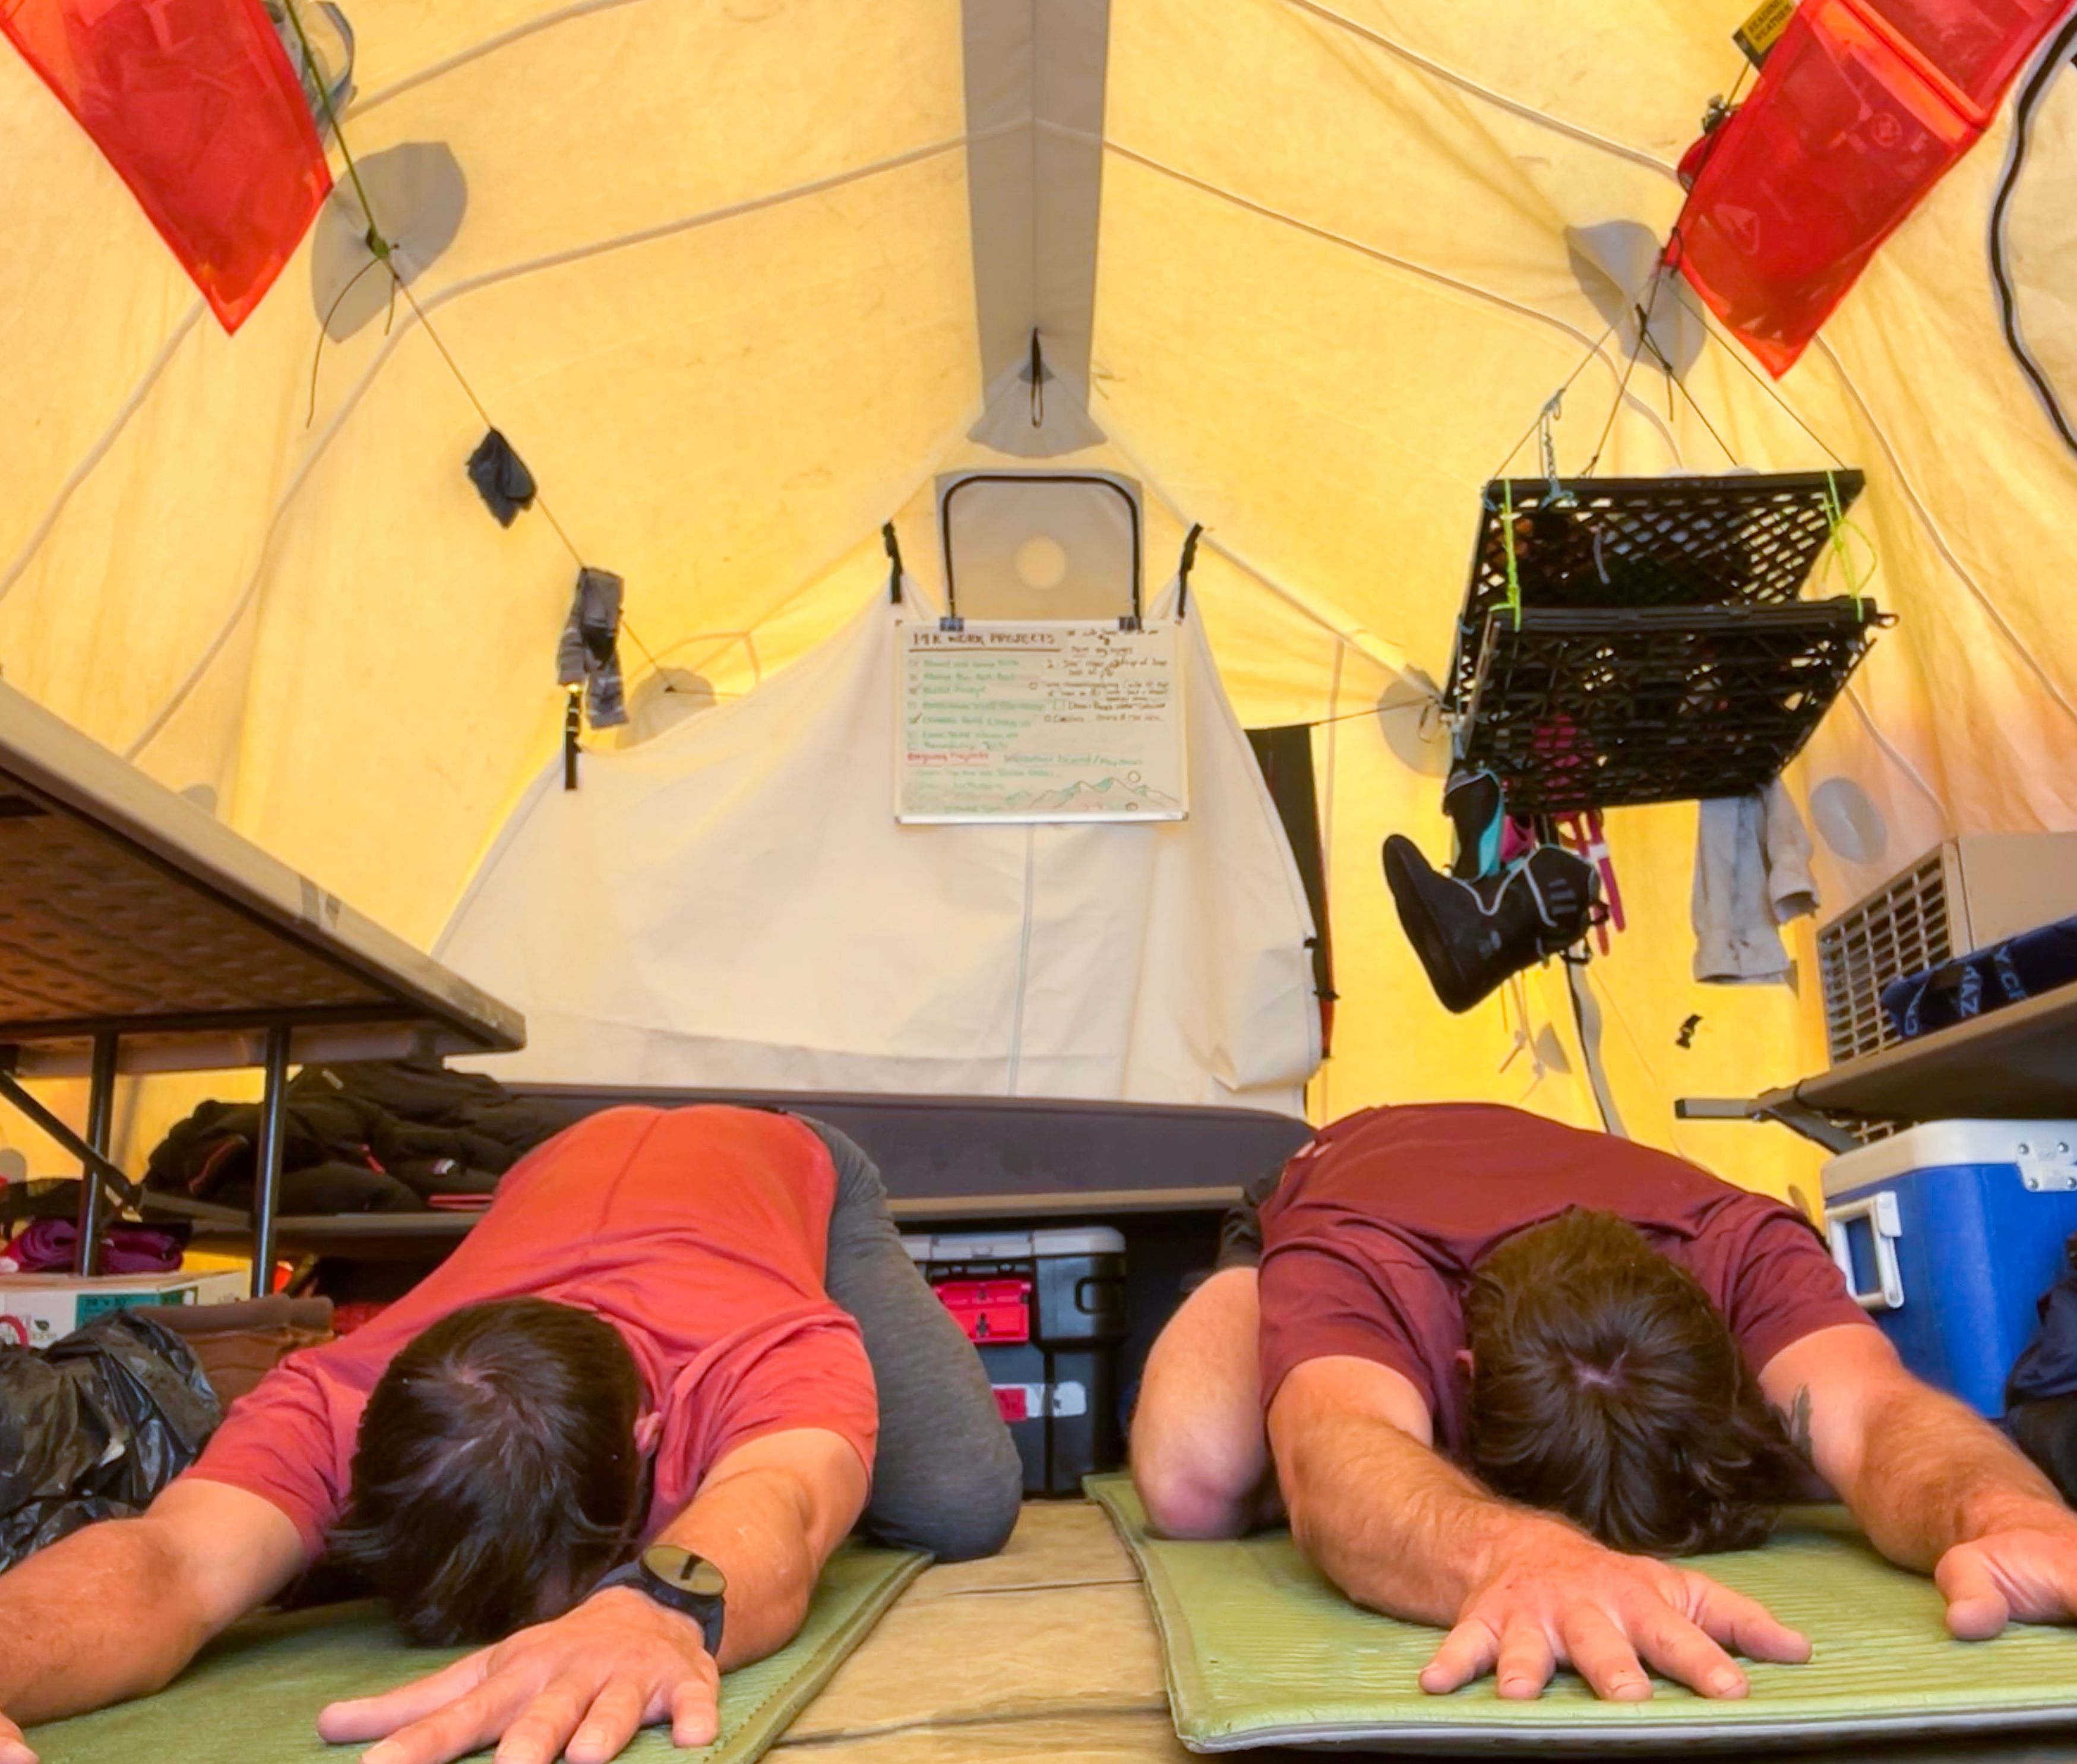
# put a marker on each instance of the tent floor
(1048, 1653)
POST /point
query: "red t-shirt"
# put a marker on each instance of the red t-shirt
(1369, 1241)
(699, 1233)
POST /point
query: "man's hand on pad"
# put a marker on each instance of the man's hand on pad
(1609, 1616)
(2024, 1574)
(581, 1687)
(14, 1749)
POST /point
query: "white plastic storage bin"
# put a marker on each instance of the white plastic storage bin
(1948, 1234)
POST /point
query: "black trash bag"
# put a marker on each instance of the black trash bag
(2041, 1391)
(94, 1426)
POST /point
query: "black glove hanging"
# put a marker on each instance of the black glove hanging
(501, 478)
(588, 654)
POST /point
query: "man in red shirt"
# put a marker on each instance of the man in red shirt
(1495, 1369)
(637, 1344)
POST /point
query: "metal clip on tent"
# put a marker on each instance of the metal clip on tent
(893, 562)
(1183, 568)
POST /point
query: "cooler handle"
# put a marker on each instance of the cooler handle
(1880, 1210)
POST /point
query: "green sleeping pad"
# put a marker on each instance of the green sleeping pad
(1262, 1651)
(253, 1697)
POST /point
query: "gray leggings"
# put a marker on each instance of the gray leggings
(948, 1479)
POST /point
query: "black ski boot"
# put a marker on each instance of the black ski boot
(1470, 936)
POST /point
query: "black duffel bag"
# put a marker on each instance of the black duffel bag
(1986, 980)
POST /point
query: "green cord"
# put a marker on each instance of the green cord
(377, 243)
(1835, 516)
(1507, 532)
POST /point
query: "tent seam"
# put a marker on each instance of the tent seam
(156, 724)
(1977, 592)
(99, 450)
(476, 51)
(1448, 76)
(1421, 272)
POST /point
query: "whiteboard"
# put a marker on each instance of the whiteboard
(1038, 721)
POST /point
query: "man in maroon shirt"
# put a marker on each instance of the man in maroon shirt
(1495, 1369)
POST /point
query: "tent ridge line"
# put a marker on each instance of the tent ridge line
(99, 450)
(1586, 137)
(155, 725)
(1977, 592)
(1422, 271)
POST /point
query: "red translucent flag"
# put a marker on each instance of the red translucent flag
(1863, 105)
(196, 106)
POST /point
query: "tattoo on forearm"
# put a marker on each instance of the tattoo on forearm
(1795, 1422)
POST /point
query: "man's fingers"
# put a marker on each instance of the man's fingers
(615, 1718)
(14, 1749)
(1744, 1624)
(1600, 1653)
(1671, 1644)
(1976, 1607)
(1468, 1651)
(1525, 1663)
(370, 1717)
(538, 1736)
(695, 1714)
(466, 1725)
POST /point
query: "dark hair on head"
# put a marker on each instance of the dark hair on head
(496, 1476)
(1607, 1388)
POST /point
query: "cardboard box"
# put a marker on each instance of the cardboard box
(37, 1310)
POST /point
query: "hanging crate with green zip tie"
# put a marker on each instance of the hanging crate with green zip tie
(1632, 640)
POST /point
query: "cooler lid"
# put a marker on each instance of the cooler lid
(1944, 1144)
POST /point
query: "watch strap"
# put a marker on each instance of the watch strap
(706, 1610)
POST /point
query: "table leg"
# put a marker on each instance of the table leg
(100, 1123)
(267, 1177)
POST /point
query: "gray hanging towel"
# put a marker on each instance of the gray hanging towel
(589, 653)
(1752, 875)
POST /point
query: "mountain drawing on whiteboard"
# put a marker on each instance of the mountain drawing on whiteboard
(1109, 795)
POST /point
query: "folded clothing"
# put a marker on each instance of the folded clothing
(51, 1245)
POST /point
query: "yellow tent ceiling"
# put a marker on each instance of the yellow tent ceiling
(738, 277)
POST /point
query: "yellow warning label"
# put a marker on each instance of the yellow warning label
(1758, 34)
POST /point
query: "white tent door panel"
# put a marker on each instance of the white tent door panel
(733, 905)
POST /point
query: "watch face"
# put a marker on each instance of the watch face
(681, 1568)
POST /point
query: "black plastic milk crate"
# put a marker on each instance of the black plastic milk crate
(1046, 1311)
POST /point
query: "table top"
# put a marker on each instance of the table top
(2019, 1063)
(126, 909)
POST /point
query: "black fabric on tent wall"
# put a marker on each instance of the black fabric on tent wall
(1285, 756)
(501, 478)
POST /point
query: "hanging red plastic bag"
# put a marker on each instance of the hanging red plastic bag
(1862, 106)
(196, 107)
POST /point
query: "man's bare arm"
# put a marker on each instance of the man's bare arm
(116, 1610)
(1935, 1487)
(1399, 1529)
(581, 1686)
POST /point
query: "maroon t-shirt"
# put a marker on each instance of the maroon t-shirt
(1369, 1241)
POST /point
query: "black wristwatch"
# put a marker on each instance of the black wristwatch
(679, 1581)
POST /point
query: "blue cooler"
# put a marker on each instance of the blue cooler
(1948, 1234)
